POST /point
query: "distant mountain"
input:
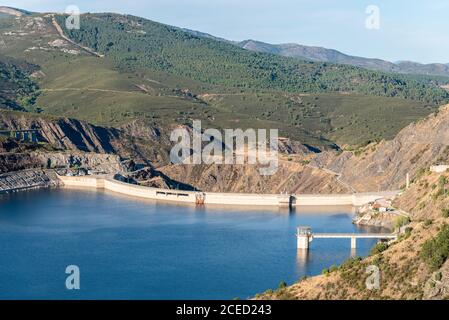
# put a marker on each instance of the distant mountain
(317, 54)
(438, 69)
(330, 55)
(13, 11)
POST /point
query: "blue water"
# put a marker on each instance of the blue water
(134, 249)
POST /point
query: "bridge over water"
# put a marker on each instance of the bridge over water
(305, 236)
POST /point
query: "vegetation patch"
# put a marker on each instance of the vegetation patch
(436, 251)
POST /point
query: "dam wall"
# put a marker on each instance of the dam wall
(195, 197)
(108, 183)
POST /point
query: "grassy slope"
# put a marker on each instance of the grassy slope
(139, 43)
(94, 89)
(346, 119)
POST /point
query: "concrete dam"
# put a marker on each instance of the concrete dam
(214, 198)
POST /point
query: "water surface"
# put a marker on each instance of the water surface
(135, 249)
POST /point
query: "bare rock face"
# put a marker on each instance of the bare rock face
(288, 146)
(291, 177)
(437, 286)
(150, 142)
(17, 161)
(384, 166)
(106, 163)
(64, 133)
(7, 145)
(51, 160)
(137, 140)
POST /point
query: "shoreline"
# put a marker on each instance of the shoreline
(29, 179)
(40, 178)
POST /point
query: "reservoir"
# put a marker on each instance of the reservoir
(129, 248)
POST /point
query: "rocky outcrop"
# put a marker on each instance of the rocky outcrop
(437, 287)
(51, 160)
(106, 163)
(138, 140)
(64, 133)
(384, 166)
(17, 161)
(291, 177)
(385, 220)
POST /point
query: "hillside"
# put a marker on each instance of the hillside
(63, 140)
(384, 165)
(139, 140)
(291, 177)
(416, 266)
(9, 11)
(139, 43)
(16, 83)
(165, 75)
(321, 54)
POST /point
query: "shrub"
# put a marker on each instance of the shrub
(401, 221)
(420, 173)
(333, 268)
(442, 181)
(282, 285)
(438, 194)
(427, 222)
(351, 262)
(445, 212)
(422, 205)
(379, 248)
(436, 251)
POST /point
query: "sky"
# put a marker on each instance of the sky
(407, 30)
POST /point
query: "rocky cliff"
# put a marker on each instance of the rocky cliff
(14, 161)
(63, 133)
(137, 140)
(291, 177)
(385, 165)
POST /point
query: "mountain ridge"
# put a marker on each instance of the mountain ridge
(322, 54)
(312, 53)
(14, 11)
(318, 53)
